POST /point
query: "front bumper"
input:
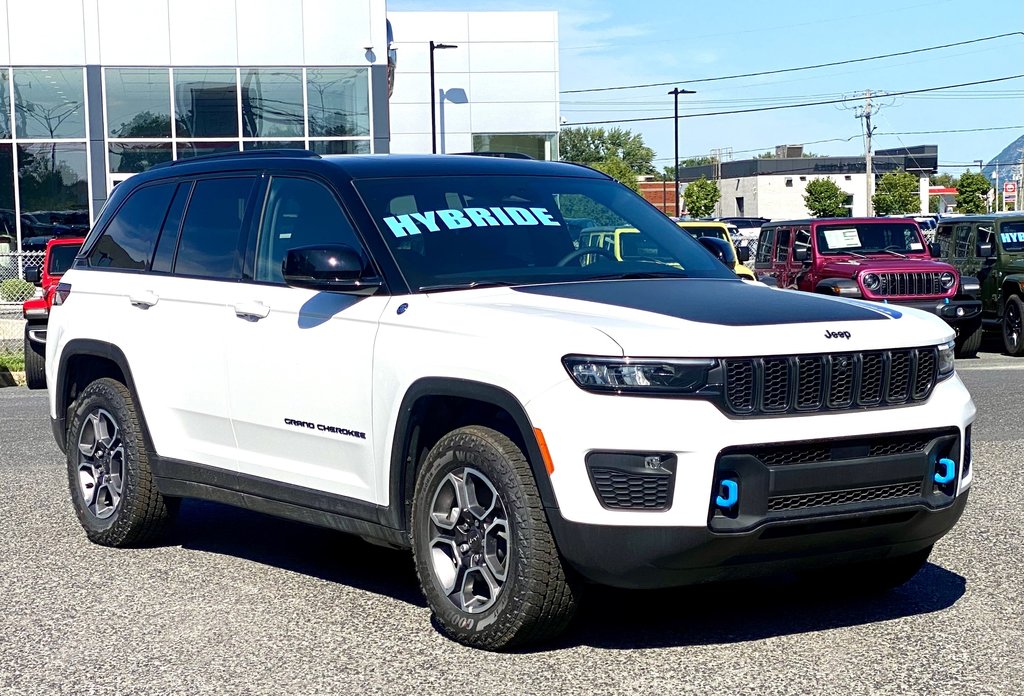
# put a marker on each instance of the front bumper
(651, 557)
(954, 312)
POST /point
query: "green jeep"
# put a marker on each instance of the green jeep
(991, 248)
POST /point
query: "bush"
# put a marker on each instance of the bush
(16, 290)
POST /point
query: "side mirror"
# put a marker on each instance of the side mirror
(935, 250)
(801, 254)
(34, 275)
(984, 250)
(743, 254)
(337, 268)
(720, 249)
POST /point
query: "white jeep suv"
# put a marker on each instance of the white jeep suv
(418, 351)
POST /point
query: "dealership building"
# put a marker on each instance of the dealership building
(94, 91)
(774, 187)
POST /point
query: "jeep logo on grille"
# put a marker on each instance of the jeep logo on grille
(837, 334)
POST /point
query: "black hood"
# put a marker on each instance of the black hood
(715, 301)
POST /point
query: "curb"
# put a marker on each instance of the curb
(12, 379)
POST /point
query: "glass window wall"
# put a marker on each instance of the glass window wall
(49, 103)
(138, 103)
(339, 101)
(272, 103)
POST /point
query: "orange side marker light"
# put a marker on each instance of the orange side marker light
(544, 453)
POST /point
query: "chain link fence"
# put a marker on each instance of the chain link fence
(14, 290)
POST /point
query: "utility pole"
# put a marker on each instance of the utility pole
(675, 92)
(869, 187)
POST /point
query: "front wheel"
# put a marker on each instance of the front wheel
(485, 557)
(968, 341)
(1013, 332)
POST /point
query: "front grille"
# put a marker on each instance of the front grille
(621, 490)
(908, 285)
(857, 495)
(818, 451)
(785, 384)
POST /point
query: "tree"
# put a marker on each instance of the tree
(824, 198)
(944, 179)
(934, 203)
(769, 154)
(618, 170)
(972, 190)
(700, 197)
(897, 193)
(591, 146)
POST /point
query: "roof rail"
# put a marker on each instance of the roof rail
(270, 152)
(509, 155)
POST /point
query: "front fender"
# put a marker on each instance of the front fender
(838, 287)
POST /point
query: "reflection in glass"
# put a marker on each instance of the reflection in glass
(132, 158)
(7, 228)
(338, 101)
(54, 189)
(340, 147)
(138, 103)
(186, 150)
(536, 145)
(271, 102)
(5, 105)
(206, 102)
(274, 145)
(49, 103)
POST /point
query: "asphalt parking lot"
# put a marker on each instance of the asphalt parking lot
(236, 602)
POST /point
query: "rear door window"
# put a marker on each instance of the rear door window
(764, 245)
(128, 240)
(212, 233)
(782, 247)
(962, 241)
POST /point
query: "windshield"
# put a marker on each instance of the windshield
(706, 231)
(869, 238)
(447, 232)
(1011, 236)
(61, 258)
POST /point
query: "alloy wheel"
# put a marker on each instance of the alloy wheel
(101, 467)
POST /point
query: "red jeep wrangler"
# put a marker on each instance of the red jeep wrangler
(880, 259)
(60, 254)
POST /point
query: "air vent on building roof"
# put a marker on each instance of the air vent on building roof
(789, 151)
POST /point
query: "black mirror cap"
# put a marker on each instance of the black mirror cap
(801, 254)
(34, 275)
(935, 250)
(336, 268)
(743, 254)
(984, 251)
(720, 249)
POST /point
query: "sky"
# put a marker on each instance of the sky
(608, 43)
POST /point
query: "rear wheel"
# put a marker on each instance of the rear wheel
(1013, 332)
(111, 485)
(484, 553)
(968, 341)
(35, 363)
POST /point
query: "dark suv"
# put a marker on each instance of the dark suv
(991, 247)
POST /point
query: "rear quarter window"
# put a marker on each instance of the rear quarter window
(127, 242)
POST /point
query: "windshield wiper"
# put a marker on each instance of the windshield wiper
(894, 253)
(466, 286)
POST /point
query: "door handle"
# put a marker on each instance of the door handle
(144, 300)
(251, 311)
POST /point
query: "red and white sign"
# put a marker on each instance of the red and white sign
(1009, 191)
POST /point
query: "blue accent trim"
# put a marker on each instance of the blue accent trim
(402, 307)
(949, 473)
(946, 301)
(732, 494)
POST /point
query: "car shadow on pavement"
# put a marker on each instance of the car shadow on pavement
(301, 548)
(745, 611)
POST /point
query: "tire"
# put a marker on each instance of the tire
(35, 364)
(112, 487)
(871, 577)
(968, 342)
(1013, 329)
(534, 601)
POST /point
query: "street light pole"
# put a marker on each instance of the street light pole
(433, 94)
(675, 92)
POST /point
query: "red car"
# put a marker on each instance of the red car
(60, 254)
(879, 259)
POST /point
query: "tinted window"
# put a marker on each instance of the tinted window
(962, 241)
(299, 212)
(782, 247)
(1011, 236)
(942, 236)
(168, 242)
(212, 231)
(128, 240)
(61, 257)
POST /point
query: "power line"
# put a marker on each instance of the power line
(797, 69)
(841, 100)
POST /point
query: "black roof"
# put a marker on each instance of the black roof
(369, 166)
(988, 217)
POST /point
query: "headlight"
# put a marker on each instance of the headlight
(947, 280)
(945, 360)
(871, 281)
(642, 376)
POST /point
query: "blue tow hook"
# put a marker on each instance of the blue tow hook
(732, 494)
(947, 467)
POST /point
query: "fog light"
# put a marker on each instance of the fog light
(959, 311)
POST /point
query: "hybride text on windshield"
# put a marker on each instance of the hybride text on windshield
(403, 225)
